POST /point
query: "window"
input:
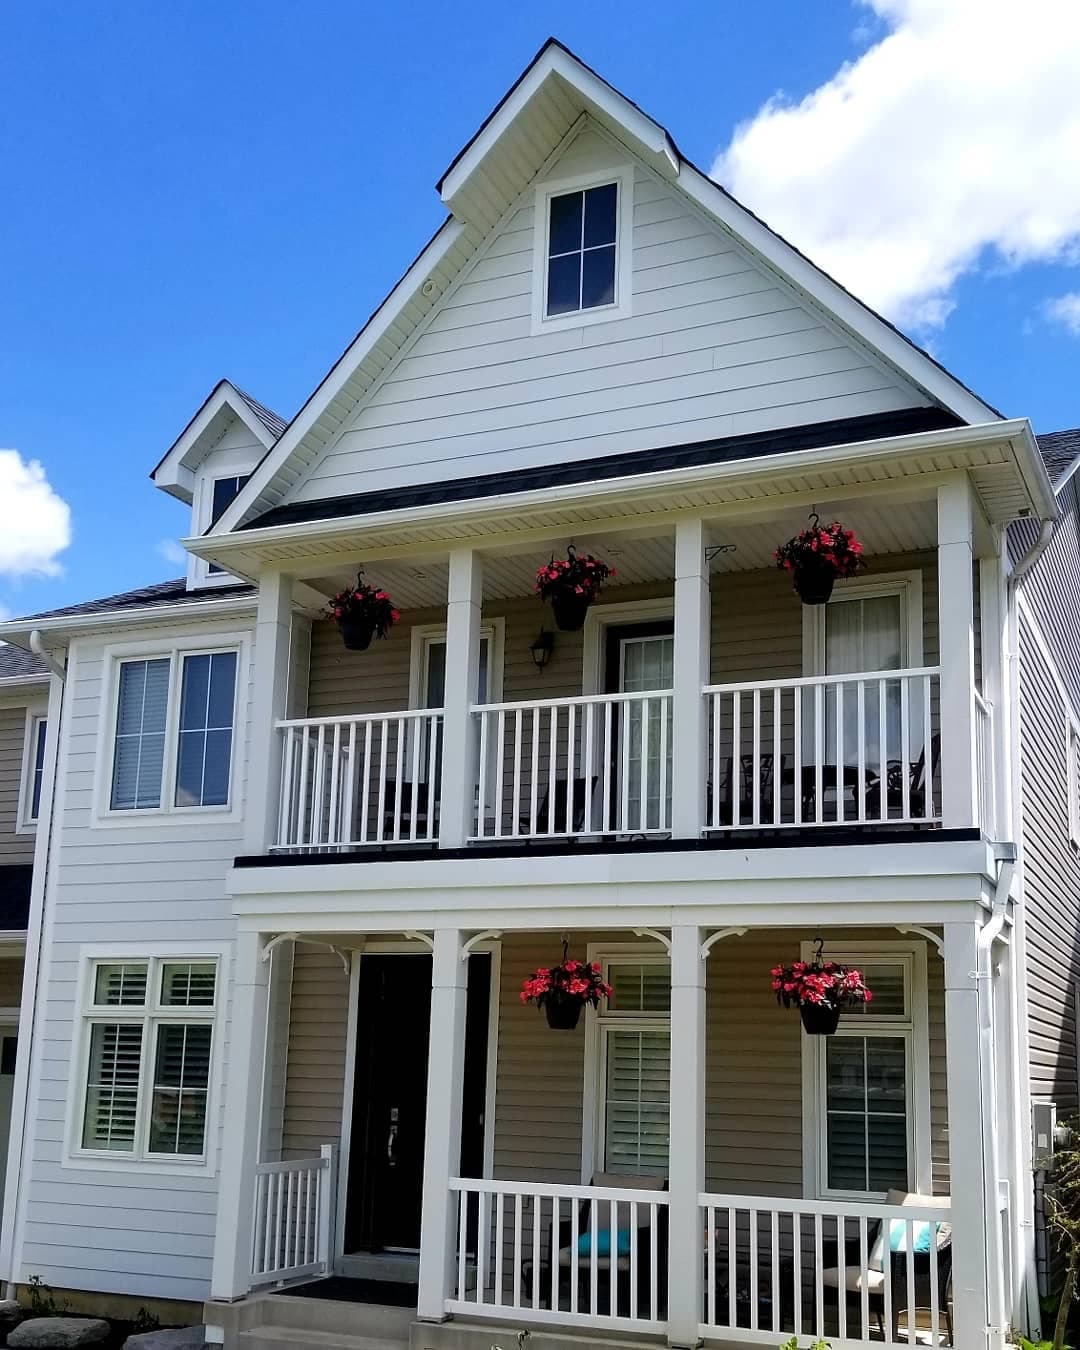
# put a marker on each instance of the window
(33, 771)
(224, 493)
(1072, 751)
(581, 247)
(634, 1067)
(149, 1039)
(174, 721)
(863, 1083)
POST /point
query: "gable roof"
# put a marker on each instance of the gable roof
(16, 664)
(144, 597)
(500, 162)
(174, 471)
(1060, 451)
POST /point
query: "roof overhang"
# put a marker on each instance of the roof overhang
(1001, 459)
(59, 628)
(175, 473)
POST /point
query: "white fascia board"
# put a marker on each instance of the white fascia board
(18, 631)
(174, 473)
(638, 126)
(15, 683)
(443, 241)
(684, 479)
(820, 288)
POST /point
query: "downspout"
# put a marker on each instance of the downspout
(37, 646)
(1034, 553)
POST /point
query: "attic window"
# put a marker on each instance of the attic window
(225, 492)
(581, 248)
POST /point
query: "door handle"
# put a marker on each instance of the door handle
(390, 1141)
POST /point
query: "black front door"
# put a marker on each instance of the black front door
(386, 1162)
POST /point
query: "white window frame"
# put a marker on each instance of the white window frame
(602, 617)
(1072, 775)
(594, 1097)
(150, 1015)
(25, 821)
(172, 650)
(623, 178)
(225, 464)
(907, 585)
(914, 1030)
(423, 636)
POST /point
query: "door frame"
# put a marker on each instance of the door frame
(907, 585)
(405, 947)
(602, 617)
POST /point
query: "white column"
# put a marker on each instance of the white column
(457, 793)
(269, 702)
(967, 1175)
(246, 1057)
(957, 652)
(686, 1134)
(690, 723)
(442, 1132)
(993, 602)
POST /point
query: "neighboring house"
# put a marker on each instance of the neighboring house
(292, 891)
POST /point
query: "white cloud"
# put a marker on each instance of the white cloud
(954, 134)
(35, 522)
(1065, 310)
(172, 551)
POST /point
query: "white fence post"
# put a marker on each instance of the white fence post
(691, 674)
(442, 1137)
(686, 1134)
(327, 1197)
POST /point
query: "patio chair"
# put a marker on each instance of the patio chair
(766, 768)
(898, 1262)
(414, 797)
(918, 785)
(583, 791)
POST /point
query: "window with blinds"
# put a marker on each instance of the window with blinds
(35, 772)
(150, 1031)
(635, 1071)
(204, 748)
(139, 753)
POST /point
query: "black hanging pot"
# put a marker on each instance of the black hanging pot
(356, 634)
(814, 583)
(569, 610)
(562, 1014)
(819, 1019)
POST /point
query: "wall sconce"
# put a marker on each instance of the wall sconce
(542, 647)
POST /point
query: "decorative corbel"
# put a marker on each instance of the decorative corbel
(487, 935)
(718, 936)
(935, 938)
(665, 942)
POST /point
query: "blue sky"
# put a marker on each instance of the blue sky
(196, 190)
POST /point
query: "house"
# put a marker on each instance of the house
(291, 892)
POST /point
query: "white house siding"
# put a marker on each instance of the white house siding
(129, 1229)
(715, 345)
(14, 847)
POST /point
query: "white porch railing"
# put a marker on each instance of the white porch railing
(984, 765)
(369, 779)
(825, 750)
(565, 1255)
(557, 767)
(848, 1272)
(293, 1211)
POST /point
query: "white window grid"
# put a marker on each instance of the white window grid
(32, 782)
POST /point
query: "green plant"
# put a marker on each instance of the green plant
(145, 1321)
(793, 1344)
(43, 1298)
(1063, 1219)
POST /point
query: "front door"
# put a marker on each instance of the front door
(386, 1154)
(638, 659)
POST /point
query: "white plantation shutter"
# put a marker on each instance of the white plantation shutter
(120, 985)
(139, 753)
(636, 1115)
(112, 1092)
(181, 1082)
(866, 1083)
(188, 985)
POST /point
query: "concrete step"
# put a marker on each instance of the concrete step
(303, 1338)
(373, 1321)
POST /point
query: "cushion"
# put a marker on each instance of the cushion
(920, 1236)
(603, 1242)
(875, 1279)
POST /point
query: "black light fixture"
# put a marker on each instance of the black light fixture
(542, 647)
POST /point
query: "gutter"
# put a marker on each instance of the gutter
(37, 646)
(21, 633)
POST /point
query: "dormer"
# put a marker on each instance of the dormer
(212, 459)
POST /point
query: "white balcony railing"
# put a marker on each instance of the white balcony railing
(572, 1255)
(985, 778)
(824, 750)
(293, 1212)
(847, 1272)
(369, 779)
(558, 767)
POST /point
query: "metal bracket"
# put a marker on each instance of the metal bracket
(665, 942)
(429, 942)
(719, 936)
(467, 948)
(936, 939)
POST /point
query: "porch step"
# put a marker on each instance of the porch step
(370, 1326)
(303, 1338)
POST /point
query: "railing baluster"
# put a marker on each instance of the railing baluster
(778, 757)
(500, 1238)
(556, 1243)
(841, 1284)
(755, 763)
(909, 1250)
(710, 1264)
(819, 751)
(571, 766)
(462, 1241)
(643, 780)
(860, 699)
(935, 1333)
(654, 1262)
(929, 805)
(575, 1237)
(594, 1269)
(500, 761)
(714, 805)
(380, 809)
(664, 820)
(797, 755)
(552, 826)
(905, 749)
(883, 743)
(796, 1268)
(735, 782)
(538, 1201)
(516, 1272)
(333, 824)
(774, 1267)
(819, 1284)
(732, 1265)
(516, 809)
(753, 1270)
(635, 1311)
(587, 767)
(608, 757)
(864, 1283)
(840, 793)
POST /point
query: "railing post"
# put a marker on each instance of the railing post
(327, 1196)
(458, 790)
(442, 1137)
(690, 722)
(231, 1274)
(956, 628)
(686, 1134)
(269, 694)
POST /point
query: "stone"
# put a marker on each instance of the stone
(10, 1313)
(58, 1333)
(177, 1338)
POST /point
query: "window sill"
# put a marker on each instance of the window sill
(130, 1163)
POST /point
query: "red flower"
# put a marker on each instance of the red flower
(364, 604)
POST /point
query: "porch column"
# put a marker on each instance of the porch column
(689, 722)
(269, 696)
(457, 791)
(231, 1274)
(442, 1131)
(956, 630)
(993, 608)
(967, 1140)
(686, 1134)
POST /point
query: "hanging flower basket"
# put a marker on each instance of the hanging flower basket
(564, 990)
(570, 585)
(361, 613)
(817, 557)
(821, 990)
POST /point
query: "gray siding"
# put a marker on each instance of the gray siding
(14, 847)
(1052, 589)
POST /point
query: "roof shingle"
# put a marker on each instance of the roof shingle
(1059, 451)
(161, 593)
